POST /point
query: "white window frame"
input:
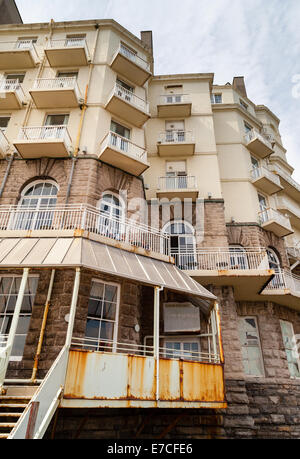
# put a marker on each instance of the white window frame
(243, 318)
(295, 350)
(181, 339)
(116, 321)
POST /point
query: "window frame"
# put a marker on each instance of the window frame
(293, 350)
(243, 318)
(181, 339)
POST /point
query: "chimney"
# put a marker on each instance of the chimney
(146, 39)
(239, 84)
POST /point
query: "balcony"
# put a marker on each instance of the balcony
(44, 141)
(127, 63)
(128, 106)
(70, 52)
(291, 187)
(183, 186)
(293, 254)
(176, 143)
(55, 93)
(120, 152)
(18, 55)
(11, 95)
(4, 144)
(292, 210)
(174, 105)
(86, 221)
(246, 270)
(260, 144)
(284, 289)
(274, 221)
(265, 180)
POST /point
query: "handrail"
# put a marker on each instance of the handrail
(35, 133)
(132, 56)
(79, 42)
(124, 145)
(86, 218)
(47, 397)
(258, 172)
(131, 98)
(284, 279)
(169, 99)
(177, 183)
(272, 214)
(253, 134)
(12, 86)
(56, 83)
(176, 136)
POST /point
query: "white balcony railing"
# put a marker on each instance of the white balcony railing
(12, 86)
(264, 138)
(286, 177)
(57, 83)
(285, 204)
(42, 133)
(177, 183)
(176, 137)
(284, 279)
(4, 144)
(123, 145)
(258, 172)
(79, 42)
(173, 99)
(18, 45)
(273, 215)
(219, 259)
(87, 218)
(133, 57)
(131, 98)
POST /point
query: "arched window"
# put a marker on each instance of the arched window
(112, 215)
(274, 262)
(182, 243)
(36, 206)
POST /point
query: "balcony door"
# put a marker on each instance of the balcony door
(111, 218)
(54, 126)
(36, 207)
(182, 242)
(175, 131)
(176, 177)
(119, 134)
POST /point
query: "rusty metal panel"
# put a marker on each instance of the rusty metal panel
(141, 378)
(169, 379)
(202, 381)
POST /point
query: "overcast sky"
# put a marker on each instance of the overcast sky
(259, 39)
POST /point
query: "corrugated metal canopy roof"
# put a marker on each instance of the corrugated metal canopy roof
(71, 252)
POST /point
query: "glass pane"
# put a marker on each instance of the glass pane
(95, 308)
(107, 330)
(92, 328)
(97, 290)
(109, 311)
(23, 325)
(5, 285)
(111, 293)
(27, 304)
(11, 303)
(18, 346)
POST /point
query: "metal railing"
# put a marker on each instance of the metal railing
(177, 183)
(284, 279)
(57, 83)
(19, 45)
(131, 98)
(124, 145)
(132, 56)
(286, 177)
(4, 144)
(37, 133)
(269, 214)
(176, 137)
(264, 138)
(293, 252)
(170, 99)
(258, 172)
(79, 42)
(87, 218)
(215, 259)
(12, 86)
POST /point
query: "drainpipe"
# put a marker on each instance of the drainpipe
(40, 343)
(73, 308)
(218, 323)
(6, 174)
(157, 291)
(14, 324)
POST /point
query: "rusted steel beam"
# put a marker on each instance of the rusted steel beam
(34, 408)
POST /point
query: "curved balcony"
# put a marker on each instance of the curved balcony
(260, 144)
(274, 221)
(55, 92)
(174, 105)
(68, 52)
(120, 152)
(128, 106)
(284, 289)
(17, 55)
(126, 62)
(11, 95)
(176, 143)
(44, 141)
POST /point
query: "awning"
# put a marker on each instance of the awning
(78, 251)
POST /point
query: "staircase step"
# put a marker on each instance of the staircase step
(10, 415)
(7, 425)
(13, 405)
(3, 436)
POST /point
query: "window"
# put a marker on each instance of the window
(15, 76)
(4, 120)
(120, 130)
(103, 309)
(247, 127)
(9, 288)
(251, 351)
(55, 126)
(36, 207)
(243, 104)
(290, 345)
(181, 317)
(216, 98)
(67, 74)
(263, 205)
(124, 90)
(182, 244)
(182, 348)
(57, 120)
(176, 177)
(118, 137)
(111, 216)
(175, 131)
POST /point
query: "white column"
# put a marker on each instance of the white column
(73, 308)
(157, 291)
